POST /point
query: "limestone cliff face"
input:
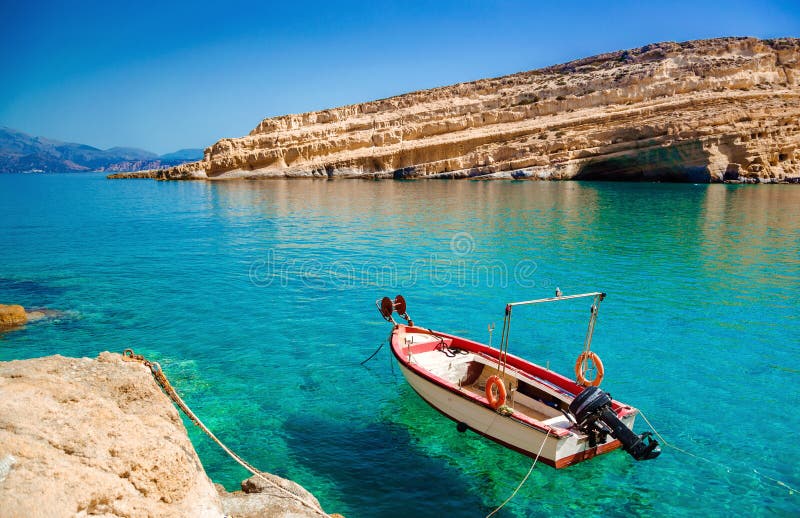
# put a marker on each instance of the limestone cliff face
(83, 437)
(710, 110)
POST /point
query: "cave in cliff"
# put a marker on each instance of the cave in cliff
(684, 162)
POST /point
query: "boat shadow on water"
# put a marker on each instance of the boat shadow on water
(381, 458)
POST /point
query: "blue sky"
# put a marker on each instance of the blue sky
(163, 77)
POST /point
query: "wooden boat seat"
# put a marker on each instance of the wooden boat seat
(517, 399)
(450, 368)
(487, 371)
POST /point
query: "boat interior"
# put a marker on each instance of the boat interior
(527, 394)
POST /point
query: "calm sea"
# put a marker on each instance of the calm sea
(258, 300)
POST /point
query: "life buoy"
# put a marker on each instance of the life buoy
(500, 399)
(581, 367)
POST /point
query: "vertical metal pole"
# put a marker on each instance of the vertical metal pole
(504, 343)
(590, 331)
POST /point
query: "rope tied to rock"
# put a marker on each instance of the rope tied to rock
(163, 382)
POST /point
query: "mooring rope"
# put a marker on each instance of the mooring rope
(162, 380)
(727, 468)
(524, 478)
(371, 356)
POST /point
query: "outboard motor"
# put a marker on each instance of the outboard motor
(595, 417)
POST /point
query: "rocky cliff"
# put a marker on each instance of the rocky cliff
(83, 437)
(700, 111)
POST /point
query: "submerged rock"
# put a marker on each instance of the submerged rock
(37, 314)
(81, 437)
(12, 315)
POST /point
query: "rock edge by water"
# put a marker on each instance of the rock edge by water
(82, 436)
(12, 315)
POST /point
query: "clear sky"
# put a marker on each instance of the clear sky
(163, 76)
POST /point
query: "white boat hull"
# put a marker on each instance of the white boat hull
(557, 452)
(512, 401)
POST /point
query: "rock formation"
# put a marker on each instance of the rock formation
(83, 437)
(258, 499)
(147, 173)
(700, 111)
(12, 315)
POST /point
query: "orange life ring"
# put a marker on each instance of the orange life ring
(500, 400)
(581, 367)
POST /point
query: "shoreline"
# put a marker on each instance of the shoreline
(509, 176)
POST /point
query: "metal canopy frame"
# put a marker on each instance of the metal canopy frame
(598, 297)
(557, 298)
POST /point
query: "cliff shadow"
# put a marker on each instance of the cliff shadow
(683, 162)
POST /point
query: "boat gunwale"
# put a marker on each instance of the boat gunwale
(557, 463)
(521, 366)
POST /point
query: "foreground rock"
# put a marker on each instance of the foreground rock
(12, 315)
(716, 110)
(81, 437)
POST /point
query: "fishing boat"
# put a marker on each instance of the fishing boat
(512, 401)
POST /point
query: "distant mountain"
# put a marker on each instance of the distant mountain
(132, 153)
(20, 152)
(184, 155)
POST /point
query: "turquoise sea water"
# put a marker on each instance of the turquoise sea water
(258, 300)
